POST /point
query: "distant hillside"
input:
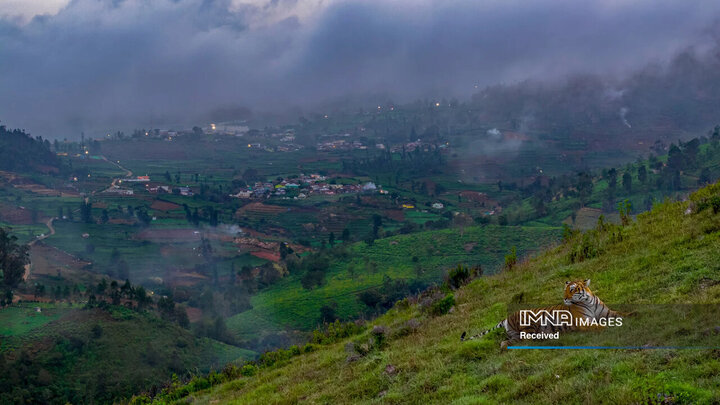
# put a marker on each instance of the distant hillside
(655, 102)
(666, 259)
(21, 152)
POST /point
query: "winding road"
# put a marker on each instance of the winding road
(128, 172)
(49, 223)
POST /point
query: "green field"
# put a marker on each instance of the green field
(422, 256)
(20, 320)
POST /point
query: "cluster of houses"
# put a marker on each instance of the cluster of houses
(340, 144)
(418, 144)
(302, 187)
(150, 186)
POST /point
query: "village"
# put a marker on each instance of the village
(302, 187)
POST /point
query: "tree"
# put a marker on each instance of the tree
(86, 212)
(331, 239)
(141, 297)
(105, 217)
(705, 176)
(13, 258)
(142, 214)
(502, 220)
(624, 208)
(166, 307)
(206, 249)
(181, 317)
(327, 313)
(627, 182)
(612, 177)
(642, 174)
(377, 223)
(676, 160)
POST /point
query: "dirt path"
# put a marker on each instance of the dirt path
(128, 172)
(51, 232)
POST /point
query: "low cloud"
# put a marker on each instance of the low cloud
(104, 64)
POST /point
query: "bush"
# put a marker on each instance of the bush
(442, 306)
(380, 334)
(511, 259)
(461, 275)
(249, 370)
(584, 250)
(336, 331)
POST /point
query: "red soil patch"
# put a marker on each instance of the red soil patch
(30, 297)
(120, 221)
(17, 215)
(395, 215)
(160, 205)
(185, 279)
(264, 254)
(260, 208)
(194, 314)
(48, 260)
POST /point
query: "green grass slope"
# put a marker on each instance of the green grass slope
(419, 256)
(69, 354)
(666, 257)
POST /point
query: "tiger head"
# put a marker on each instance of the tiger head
(577, 291)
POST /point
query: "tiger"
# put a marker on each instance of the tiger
(577, 298)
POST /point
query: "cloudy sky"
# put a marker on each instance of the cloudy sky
(95, 65)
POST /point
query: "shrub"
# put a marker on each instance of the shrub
(511, 259)
(336, 331)
(249, 370)
(409, 327)
(310, 347)
(442, 306)
(461, 275)
(586, 249)
(379, 334)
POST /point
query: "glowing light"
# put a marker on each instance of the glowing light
(437, 104)
(212, 126)
(249, 146)
(379, 107)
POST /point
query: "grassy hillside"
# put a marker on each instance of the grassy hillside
(65, 353)
(422, 256)
(666, 259)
